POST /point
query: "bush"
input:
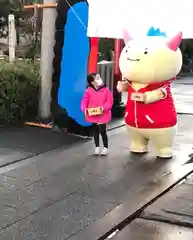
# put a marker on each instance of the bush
(18, 91)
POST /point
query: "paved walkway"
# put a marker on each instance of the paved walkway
(17, 144)
(171, 217)
(56, 194)
(21, 143)
(150, 230)
(182, 90)
(176, 207)
(61, 188)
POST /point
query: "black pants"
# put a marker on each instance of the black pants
(100, 130)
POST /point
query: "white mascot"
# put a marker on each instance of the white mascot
(148, 67)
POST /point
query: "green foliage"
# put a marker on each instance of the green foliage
(34, 50)
(9, 7)
(19, 83)
(21, 15)
(187, 47)
(106, 47)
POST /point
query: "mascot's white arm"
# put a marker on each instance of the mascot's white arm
(149, 97)
(156, 95)
(122, 86)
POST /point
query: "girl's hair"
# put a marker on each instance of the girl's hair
(91, 78)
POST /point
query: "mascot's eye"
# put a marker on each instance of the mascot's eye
(127, 50)
(146, 52)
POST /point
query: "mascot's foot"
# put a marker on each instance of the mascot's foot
(140, 146)
(139, 151)
(164, 158)
(165, 154)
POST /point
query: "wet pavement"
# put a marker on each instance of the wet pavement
(150, 230)
(57, 194)
(61, 189)
(21, 143)
(18, 144)
(170, 217)
(182, 90)
(176, 207)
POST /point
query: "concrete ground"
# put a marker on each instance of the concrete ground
(56, 194)
(170, 217)
(60, 188)
(151, 230)
(19, 144)
(176, 207)
(182, 90)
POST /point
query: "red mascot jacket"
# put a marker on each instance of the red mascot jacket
(160, 114)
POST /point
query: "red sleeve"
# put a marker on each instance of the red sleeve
(166, 89)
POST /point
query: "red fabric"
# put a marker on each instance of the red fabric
(93, 57)
(160, 114)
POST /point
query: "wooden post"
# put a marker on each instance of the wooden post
(47, 55)
(12, 37)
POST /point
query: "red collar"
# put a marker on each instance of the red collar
(157, 84)
(153, 86)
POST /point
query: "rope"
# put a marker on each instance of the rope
(75, 13)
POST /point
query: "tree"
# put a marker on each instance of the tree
(106, 47)
(9, 7)
(25, 21)
(13, 7)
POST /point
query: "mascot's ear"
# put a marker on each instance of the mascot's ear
(126, 36)
(174, 43)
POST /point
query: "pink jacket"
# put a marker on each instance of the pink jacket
(101, 97)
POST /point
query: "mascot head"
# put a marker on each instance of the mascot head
(155, 58)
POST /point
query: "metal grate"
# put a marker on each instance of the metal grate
(105, 69)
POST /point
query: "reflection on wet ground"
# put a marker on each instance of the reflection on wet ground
(150, 230)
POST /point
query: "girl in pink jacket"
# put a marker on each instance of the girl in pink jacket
(97, 95)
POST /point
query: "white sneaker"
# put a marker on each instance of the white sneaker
(97, 151)
(105, 152)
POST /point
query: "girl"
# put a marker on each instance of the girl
(97, 95)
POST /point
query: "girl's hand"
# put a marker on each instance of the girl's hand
(85, 111)
(102, 110)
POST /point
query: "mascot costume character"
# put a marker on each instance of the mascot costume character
(148, 67)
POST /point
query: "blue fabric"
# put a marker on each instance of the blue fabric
(74, 64)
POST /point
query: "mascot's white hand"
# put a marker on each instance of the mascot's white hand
(119, 89)
(122, 86)
(154, 96)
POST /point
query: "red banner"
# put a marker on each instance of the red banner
(117, 52)
(93, 58)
